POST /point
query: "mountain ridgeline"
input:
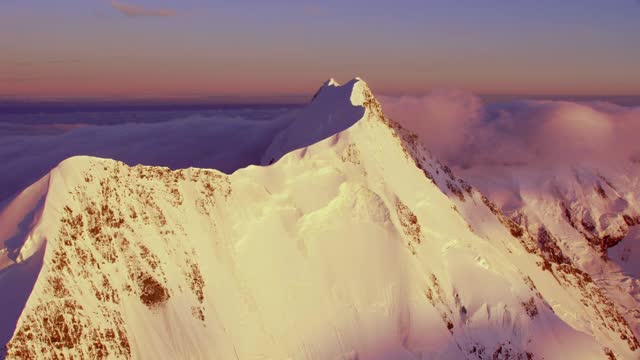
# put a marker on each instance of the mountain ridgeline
(349, 241)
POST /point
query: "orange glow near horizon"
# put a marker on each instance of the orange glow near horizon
(195, 85)
(157, 76)
(190, 49)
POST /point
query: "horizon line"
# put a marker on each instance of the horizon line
(277, 99)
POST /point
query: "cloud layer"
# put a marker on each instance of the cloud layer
(29, 151)
(459, 128)
(138, 11)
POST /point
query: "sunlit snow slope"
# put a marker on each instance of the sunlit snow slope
(352, 244)
(585, 215)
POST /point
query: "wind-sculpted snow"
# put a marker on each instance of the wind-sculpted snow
(332, 110)
(359, 246)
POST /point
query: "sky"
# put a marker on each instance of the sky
(202, 48)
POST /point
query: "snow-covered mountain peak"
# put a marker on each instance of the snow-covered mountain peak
(353, 90)
(331, 82)
(334, 108)
(354, 243)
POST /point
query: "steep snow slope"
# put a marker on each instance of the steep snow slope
(360, 246)
(593, 212)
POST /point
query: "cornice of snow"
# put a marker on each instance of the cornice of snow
(334, 108)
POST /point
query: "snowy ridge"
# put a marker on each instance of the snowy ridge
(357, 245)
(593, 214)
(334, 108)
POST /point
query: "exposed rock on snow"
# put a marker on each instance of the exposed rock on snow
(354, 243)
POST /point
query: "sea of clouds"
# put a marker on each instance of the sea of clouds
(458, 127)
(224, 140)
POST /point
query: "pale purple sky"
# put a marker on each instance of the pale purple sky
(192, 48)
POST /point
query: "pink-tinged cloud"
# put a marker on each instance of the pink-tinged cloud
(139, 11)
(441, 118)
(462, 130)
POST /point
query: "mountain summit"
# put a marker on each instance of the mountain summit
(350, 242)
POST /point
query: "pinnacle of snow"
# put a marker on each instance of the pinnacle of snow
(331, 82)
(334, 108)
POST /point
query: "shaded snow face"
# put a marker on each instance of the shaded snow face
(460, 128)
